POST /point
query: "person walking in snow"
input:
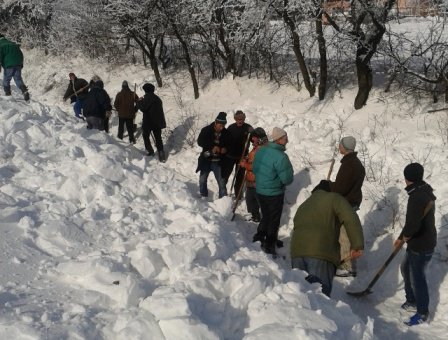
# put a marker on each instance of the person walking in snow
(11, 59)
(125, 104)
(314, 239)
(273, 172)
(153, 120)
(213, 141)
(420, 235)
(348, 183)
(258, 138)
(237, 133)
(97, 105)
(77, 90)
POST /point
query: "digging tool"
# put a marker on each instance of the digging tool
(331, 169)
(238, 165)
(437, 110)
(367, 291)
(237, 199)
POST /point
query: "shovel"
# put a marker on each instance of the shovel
(368, 291)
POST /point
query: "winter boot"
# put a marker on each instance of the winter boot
(162, 156)
(26, 94)
(151, 152)
(7, 90)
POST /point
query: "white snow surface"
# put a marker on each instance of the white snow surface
(99, 241)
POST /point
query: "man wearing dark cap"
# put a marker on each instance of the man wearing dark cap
(97, 105)
(213, 141)
(314, 240)
(11, 59)
(153, 120)
(77, 90)
(348, 183)
(125, 104)
(420, 234)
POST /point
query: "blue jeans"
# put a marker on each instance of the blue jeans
(415, 285)
(215, 167)
(78, 107)
(320, 271)
(13, 72)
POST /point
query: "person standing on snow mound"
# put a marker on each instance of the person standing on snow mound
(97, 105)
(273, 172)
(237, 134)
(420, 234)
(125, 105)
(213, 141)
(11, 59)
(348, 183)
(77, 90)
(153, 120)
(314, 241)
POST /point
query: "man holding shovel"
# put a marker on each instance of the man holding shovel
(348, 183)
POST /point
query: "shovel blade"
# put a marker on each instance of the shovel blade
(360, 294)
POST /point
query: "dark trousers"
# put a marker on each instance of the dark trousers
(227, 166)
(129, 122)
(271, 212)
(253, 207)
(157, 136)
(106, 125)
(320, 271)
(415, 285)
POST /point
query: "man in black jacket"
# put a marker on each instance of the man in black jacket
(77, 91)
(420, 234)
(97, 105)
(213, 140)
(238, 133)
(153, 120)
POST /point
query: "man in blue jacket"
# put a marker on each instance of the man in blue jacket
(273, 172)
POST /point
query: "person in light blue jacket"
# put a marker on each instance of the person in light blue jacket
(273, 172)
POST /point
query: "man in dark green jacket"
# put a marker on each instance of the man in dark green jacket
(315, 237)
(11, 59)
(273, 172)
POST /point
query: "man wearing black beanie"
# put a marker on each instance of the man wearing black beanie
(420, 234)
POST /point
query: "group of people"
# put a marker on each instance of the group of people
(93, 103)
(327, 237)
(11, 59)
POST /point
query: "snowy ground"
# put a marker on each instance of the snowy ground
(99, 241)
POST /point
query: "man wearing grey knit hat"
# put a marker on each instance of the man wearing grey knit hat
(348, 183)
(273, 172)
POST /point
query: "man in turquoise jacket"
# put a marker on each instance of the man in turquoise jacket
(273, 172)
(11, 59)
(315, 238)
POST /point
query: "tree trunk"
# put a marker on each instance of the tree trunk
(365, 78)
(323, 58)
(189, 63)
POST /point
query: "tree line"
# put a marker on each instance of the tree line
(305, 43)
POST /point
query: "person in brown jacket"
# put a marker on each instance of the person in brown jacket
(125, 105)
(348, 183)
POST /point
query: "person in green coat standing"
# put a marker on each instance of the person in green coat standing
(315, 238)
(11, 59)
(273, 172)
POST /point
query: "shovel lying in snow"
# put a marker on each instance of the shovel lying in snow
(380, 272)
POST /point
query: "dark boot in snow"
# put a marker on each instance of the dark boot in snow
(7, 90)
(26, 94)
(162, 156)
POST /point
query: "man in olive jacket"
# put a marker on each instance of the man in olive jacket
(315, 237)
